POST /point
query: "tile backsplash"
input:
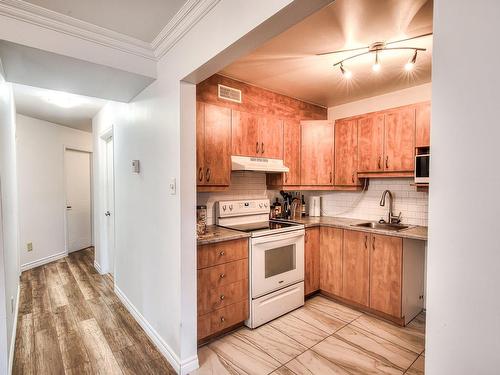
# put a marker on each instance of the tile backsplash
(366, 205)
(356, 205)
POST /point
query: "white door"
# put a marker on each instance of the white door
(110, 206)
(77, 167)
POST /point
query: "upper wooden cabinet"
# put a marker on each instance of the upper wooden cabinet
(213, 149)
(399, 138)
(423, 125)
(371, 143)
(346, 152)
(311, 260)
(331, 260)
(316, 153)
(254, 135)
(386, 265)
(356, 267)
(291, 151)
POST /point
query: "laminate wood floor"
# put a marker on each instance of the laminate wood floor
(71, 322)
(320, 338)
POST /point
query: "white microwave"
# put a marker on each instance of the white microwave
(422, 162)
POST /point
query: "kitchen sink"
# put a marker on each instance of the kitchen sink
(382, 226)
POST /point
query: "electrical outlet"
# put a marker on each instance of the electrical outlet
(172, 186)
(29, 246)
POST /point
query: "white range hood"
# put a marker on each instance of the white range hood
(244, 163)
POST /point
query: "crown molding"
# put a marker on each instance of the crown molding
(188, 16)
(36, 15)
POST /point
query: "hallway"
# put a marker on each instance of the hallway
(71, 322)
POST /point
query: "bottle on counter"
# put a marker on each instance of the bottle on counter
(303, 206)
(277, 208)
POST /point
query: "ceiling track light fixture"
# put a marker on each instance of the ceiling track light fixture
(346, 73)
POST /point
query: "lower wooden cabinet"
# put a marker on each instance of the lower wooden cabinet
(222, 286)
(356, 267)
(386, 268)
(311, 260)
(331, 240)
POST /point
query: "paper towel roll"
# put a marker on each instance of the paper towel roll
(315, 206)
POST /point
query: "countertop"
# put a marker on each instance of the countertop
(414, 232)
(218, 234)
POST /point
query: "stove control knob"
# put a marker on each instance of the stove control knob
(230, 207)
(260, 205)
(265, 205)
(224, 208)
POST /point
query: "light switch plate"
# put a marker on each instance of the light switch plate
(29, 246)
(136, 166)
(172, 187)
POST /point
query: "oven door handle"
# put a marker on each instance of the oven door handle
(279, 237)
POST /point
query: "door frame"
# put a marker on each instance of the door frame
(91, 158)
(104, 138)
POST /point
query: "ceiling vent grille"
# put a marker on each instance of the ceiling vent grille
(229, 93)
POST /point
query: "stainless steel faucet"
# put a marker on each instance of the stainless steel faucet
(392, 218)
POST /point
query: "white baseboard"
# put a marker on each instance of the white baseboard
(181, 368)
(14, 330)
(97, 267)
(41, 262)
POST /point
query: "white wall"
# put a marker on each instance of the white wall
(155, 231)
(42, 203)
(9, 255)
(463, 308)
(393, 99)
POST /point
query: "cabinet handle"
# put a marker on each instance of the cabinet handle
(379, 162)
(373, 244)
(200, 174)
(262, 148)
(257, 148)
(208, 174)
(222, 275)
(222, 297)
(366, 242)
(387, 161)
(222, 319)
(353, 178)
(222, 253)
(331, 177)
(286, 177)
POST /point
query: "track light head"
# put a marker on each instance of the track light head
(346, 73)
(411, 63)
(376, 66)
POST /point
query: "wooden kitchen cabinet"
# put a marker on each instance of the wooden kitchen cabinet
(399, 136)
(423, 125)
(371, 143)
(317, 163)
(346, 153)
(331, 240)
(356, 267)
(213, 148)
(311, 260)
(386, 263)
(254, 135)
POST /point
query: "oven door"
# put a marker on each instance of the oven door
(277, 261)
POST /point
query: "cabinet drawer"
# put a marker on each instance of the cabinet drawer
(221, 319)
(222, 252)
(224, 274)
(210, 299)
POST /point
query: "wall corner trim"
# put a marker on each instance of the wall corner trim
(14, 331)
(42, 261)
(188, 16)
(98, 267)
(184, 367)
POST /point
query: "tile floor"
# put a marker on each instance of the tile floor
(320, 338)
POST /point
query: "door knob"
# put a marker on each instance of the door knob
(69, 207)
(107, 213)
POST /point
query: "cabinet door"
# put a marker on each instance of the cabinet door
(271, 137)
(400, 140)
(200, 143)
(423, 125)
(316, 167)
(245, 134)
(291, 151)
(311, 260)
(331, 260)
(386, 273)
(217, 145)
(356, 267)
(346, 152)
(371, 143)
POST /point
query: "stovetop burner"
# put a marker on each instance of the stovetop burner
(265, 225)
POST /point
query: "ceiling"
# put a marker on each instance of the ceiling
(139, 19)
(289, 64)
(46, 104)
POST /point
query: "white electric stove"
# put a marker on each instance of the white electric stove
(276, 258)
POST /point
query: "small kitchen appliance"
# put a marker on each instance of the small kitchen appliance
(276, 258)
(422, 162)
